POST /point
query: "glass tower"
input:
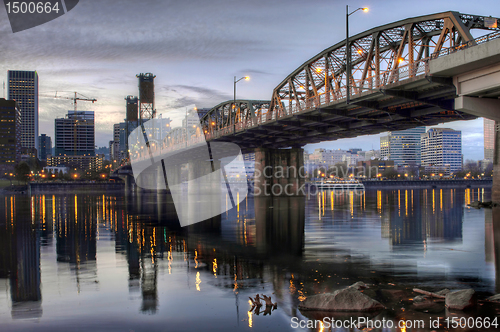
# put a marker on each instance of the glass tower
(442, 147)
(23, 88)
(403, 146)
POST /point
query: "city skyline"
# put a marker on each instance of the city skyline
(195, 55)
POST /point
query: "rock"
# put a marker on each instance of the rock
(475, 204)
(359, 285)
(495, 298)
(443, 292)
(428, 306)
(419, 298)
(348, 299)
(392, 294)
(487, 205)
(461, 300)
(479, 204)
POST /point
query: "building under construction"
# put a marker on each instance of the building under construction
(75, 134)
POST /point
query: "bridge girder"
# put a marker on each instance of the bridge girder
(391, 88)
(379, 57)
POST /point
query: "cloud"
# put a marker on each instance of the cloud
(195, 47)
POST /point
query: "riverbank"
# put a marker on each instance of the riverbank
(426, 184)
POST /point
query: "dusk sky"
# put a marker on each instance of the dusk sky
(195, 48)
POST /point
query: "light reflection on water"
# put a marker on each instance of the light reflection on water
(105, 262)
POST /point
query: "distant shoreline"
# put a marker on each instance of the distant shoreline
(427, 184)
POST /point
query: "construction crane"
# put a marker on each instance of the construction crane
(76, 98)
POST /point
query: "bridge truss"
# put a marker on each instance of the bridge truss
(391, 88)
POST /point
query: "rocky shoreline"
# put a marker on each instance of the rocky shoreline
(394, 302)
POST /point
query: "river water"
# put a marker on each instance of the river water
(94, 262)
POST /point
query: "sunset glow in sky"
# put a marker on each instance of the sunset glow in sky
(195, 48)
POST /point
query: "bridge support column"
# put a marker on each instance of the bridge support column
(148, 179)
(279, 172)
(172, 175)
(204, 189)
(198, 169)
(495, 191)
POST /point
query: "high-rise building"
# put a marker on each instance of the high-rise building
(75, 134)
(115, 148)
(489, 138)
(10, 135)
(44, 146)
(402, 146)
(442, 147)
(23, 88)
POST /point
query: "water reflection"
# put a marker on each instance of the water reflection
(287, 248)
(20, 256)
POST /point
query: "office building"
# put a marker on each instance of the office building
(75, 134)
(403, 146)
(249, 156)
(114, 146)
(83, 163)
(10, 135)
(489, 138)
(442, 147)
(44, 146)
(23, 88)
(371, 168)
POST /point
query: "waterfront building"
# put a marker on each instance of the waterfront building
(352, 159)
(324, 157)
(489, 138)
(403, 146)
(23, 88)
(75, 134)
(372, 167)
(372, 154)
(87, 163)
(56, 169)
(44, 146)
(10, 135)
(441, 147)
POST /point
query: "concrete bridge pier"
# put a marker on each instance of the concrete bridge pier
(148, 179)
(204, 189)
(495, 190)
(129, 183)
(279, 172)
(198, 173)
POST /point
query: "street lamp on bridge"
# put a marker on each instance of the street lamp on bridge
(348, 50)
(246, 78)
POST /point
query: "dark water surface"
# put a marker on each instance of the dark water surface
(119, 263)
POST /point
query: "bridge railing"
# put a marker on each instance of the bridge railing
(374, 82)
(371, 83)
(470, 43)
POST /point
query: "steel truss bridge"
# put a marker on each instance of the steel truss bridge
(391, 87)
